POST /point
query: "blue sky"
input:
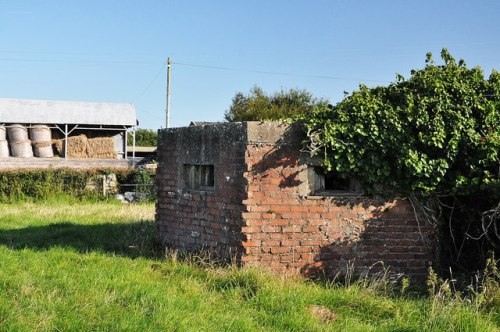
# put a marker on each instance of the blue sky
(115, 51)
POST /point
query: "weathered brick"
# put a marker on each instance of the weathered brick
(291, 215)
(299, 208)
(271, 229)
(251, 243)
(310, 229)
(251, 229)
(307, 257)
(251, 215)
(320, 209)
(290, 242)
(281, 208)
(270, 243)
(259, 214)
(279, 250)
(270, 201)
(279, 222)
(292, 229)
(254, 222)
(259, 208)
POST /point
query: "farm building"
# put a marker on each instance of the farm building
(244, 190)
(45, 132)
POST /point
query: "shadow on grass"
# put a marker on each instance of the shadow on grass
(124, 239)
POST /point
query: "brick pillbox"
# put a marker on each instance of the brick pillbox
(244, 191)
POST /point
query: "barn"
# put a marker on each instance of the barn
(65, 133)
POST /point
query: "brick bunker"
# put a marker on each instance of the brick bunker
(244, 190)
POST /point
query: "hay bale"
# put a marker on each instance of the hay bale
(77, 146)
(82, 147)
(40, 133)
(43, 149)
(58, 146)
(43, 152)
(41, 144)
(4, 149)
(101, 147)
(17, 133)
(21, 149)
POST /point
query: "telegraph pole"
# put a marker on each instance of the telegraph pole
(169, 65)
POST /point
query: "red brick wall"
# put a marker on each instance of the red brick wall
(262, 214)
(284, 229)
(201, 220)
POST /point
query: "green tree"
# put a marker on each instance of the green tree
(259, 106)
(143, 137)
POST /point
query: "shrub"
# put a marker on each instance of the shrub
(64, 183)
(141, 180)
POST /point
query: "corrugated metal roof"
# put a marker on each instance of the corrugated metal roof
(66, 112)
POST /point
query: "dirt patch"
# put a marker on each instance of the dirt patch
(323, 314)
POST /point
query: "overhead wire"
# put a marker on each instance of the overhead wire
(263, 72)
(76, 61)
(157, 75)
(138, 96)
(146, 89)
(277, 73)
(148, 86)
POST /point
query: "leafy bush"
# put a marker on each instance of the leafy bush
(437, 132)
(434, 137)
(64, 183)
(142, 180)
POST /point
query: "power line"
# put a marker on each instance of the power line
(152, 114)
(138, 96)
(76, 61)
(277, 73)
(262, 72)
(149, 84)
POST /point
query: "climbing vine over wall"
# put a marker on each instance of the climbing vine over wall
(435, 136)
(437, 132)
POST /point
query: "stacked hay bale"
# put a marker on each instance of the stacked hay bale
(82, 147)
(101, 147)
(20, 145)
(4, 146)
(76, 146)
(41, 139)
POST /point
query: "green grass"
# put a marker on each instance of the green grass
(96, 266)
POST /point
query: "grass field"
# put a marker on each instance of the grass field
(96, 267)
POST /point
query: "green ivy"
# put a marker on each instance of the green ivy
(437, 132)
